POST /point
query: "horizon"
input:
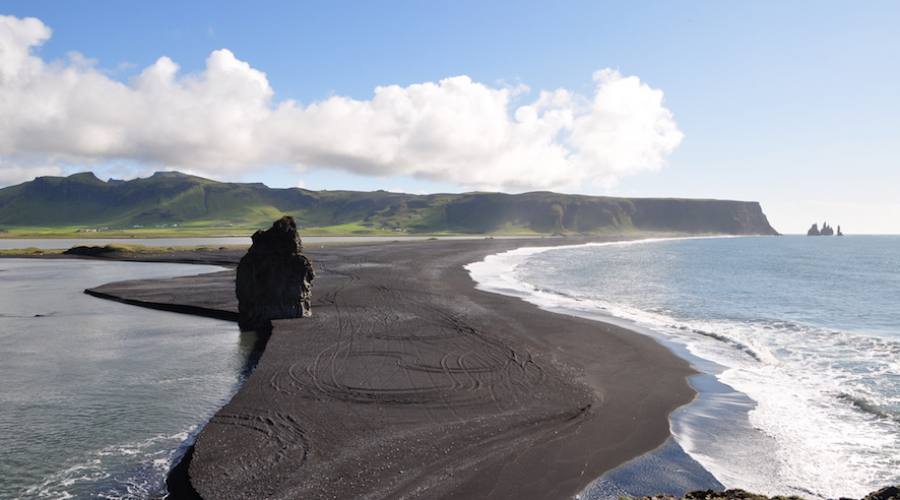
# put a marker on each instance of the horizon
(788, 105)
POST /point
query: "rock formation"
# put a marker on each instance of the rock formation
(887, 493)
(90, 251)
(825, 231)
(274, 277)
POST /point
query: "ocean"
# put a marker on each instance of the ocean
(98, 398)
(797, 340)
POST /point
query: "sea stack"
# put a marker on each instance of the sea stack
(825, 231)
(274, 278)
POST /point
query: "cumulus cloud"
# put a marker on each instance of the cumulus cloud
(225, 120)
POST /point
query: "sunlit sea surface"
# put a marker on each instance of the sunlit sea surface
(98, 398)
(798, 338)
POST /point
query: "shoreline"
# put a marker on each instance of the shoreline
(574, 374)
(673, 468)
(730, 419)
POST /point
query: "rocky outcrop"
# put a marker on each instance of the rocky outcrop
(274, 278)
(91, 251)
(825, 231)
(732, 494)
(888, 493)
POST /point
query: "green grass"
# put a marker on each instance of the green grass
(53, 207)
(76, 232)
(200, 229)
(126, 249)
(348, 229)
(196, 230)
(122, 248)
(15, 252)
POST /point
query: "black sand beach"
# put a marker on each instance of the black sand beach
(408, 382)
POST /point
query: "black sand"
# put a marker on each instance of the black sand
(408, 382)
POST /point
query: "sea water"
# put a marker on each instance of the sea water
(797, 339)
(97, 398)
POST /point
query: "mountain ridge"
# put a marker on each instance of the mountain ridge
(174, 199)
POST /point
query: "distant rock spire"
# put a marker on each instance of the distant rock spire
(825, 231)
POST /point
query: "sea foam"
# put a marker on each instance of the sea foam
(803, 410)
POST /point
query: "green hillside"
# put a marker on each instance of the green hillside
(172, 202)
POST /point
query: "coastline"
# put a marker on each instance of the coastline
(735, 428)
(620, 410)
(673, 469)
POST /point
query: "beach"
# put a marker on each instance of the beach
(409, 382)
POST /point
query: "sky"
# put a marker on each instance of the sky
(792, 104)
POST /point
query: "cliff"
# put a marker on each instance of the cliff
(173, 199)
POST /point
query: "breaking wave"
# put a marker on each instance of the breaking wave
(822, 415)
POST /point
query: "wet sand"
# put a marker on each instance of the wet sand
(408, 382)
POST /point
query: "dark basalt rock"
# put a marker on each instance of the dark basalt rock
(274, 277)
(90, 251)
(825, 231)
(888, 493)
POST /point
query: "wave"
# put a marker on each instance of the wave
(99, 473)
(721, 338)
(864, 405)
(799, 437)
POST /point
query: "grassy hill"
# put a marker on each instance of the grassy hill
(172, 202)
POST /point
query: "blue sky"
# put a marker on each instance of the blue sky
(795, 104)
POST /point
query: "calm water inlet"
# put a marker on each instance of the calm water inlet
(96, 396)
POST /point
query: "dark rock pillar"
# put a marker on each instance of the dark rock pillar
(274, 278)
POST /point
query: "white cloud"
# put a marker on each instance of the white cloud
(14, 173)
(225, 120)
